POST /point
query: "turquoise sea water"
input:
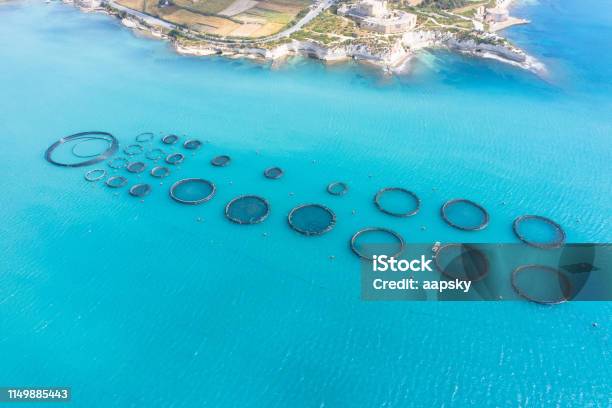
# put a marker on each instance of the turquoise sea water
(140, 304)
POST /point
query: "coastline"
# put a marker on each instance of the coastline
(157, 304)
(390, 58)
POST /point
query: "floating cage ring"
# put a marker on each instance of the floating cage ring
(393, 234)
(273, 173)
(469, 249)
(409, 193)
(337, 188)
(95, 174)
(116, 181)
(308, 229)
(192, 144)
(203, 199)
(155, 154)
(175, 158)
(136, 167)
(450, 203)
(221, 161)
(112, 148)
(133, 149)
(256, 209)
(170, 139)
(75, 151)
(160, 171)
(118, 163)
(140, 190)
(145, 137)
(566, 288)
(516, 225)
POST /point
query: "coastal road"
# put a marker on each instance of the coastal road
(321, 7)
(154, 21)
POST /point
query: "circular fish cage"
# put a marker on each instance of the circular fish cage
(133, 149)
(538, 231)
(397, 201)
(140, 190)
(116, 181)
(146, 137)
(110, 147)
(311, 219)
(155, 154)
(175, 158)
(160, 171)
(192, 191)
(247, 209)
(273, 173)
(465, 215)
(337, 188)
(95, 174)
(371, 241)
(541, 284)
(221, 161)
(136, 167)
(192, 144)
(170, 139)
(462, 261)
(118, 163)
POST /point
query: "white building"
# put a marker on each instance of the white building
(374, 15)
(497, 15)
(480, 13)
(399, 23)
(372, 8)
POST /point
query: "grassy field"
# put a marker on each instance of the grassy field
(204, 6)
(259, 18)
(133, 4)
(329, 28)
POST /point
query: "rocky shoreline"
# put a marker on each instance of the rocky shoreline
(388, 57)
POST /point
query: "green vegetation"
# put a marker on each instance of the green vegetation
(328, 28)
(269, 15)
(480, 39)
(444, 4)
(330, 23)
(312, 36)
(449, 18)
(208, 7)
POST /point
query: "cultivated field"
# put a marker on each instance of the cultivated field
(235, 18)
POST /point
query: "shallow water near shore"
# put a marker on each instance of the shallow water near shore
(156, 303)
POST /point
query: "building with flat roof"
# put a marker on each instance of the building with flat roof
(496, 15)
(372, 8)
(374, 15)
